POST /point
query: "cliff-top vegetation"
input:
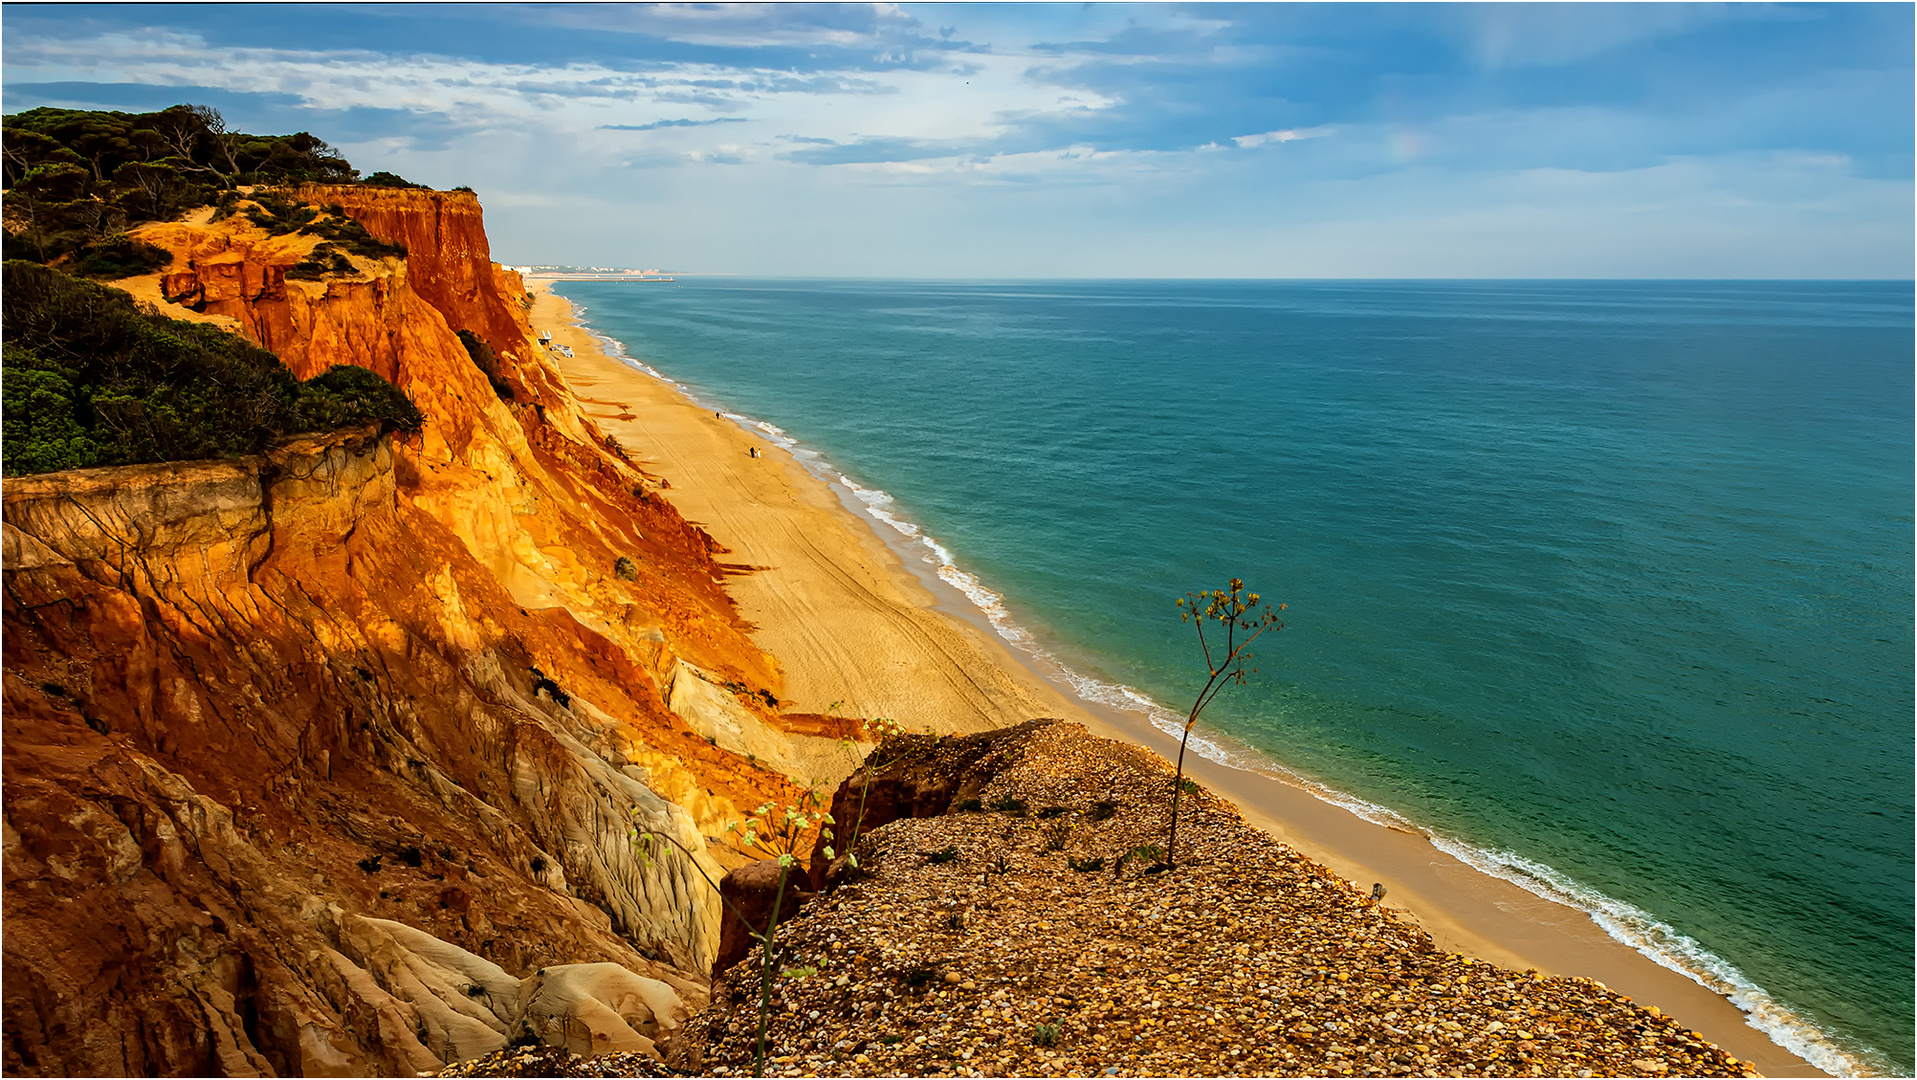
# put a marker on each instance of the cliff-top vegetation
(88, 378)
(75, 180)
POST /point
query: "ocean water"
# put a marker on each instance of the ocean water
(1606, 584)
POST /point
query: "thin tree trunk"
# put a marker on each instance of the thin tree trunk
(1178, 790)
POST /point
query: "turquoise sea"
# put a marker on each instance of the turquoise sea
(1608, 584)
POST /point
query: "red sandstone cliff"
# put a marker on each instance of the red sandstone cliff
(287, 789)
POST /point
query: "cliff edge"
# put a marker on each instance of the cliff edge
(324, 761)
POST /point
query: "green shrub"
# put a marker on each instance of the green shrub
(346, 396)
(322, 260)
(74, 177)
(1056, 835)
(340, 229)
(487, 361)
(279, 214)
(1151, 854)
(392, 180)
(42, 413)
(119, 256)
(89, 379)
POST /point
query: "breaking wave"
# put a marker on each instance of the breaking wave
(1624, 922)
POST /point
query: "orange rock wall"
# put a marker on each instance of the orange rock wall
(248, 702)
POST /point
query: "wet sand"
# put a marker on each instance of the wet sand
(852, 622)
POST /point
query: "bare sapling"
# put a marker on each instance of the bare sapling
(1235, 613)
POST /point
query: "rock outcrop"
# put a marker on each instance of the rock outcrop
(325, 761)
(1042, 938)
(913, 778)
(751, 892)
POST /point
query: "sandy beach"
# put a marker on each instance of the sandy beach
(858, 630)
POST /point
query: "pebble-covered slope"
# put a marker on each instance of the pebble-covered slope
(1246, 959)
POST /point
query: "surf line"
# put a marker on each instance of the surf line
(1625, 923)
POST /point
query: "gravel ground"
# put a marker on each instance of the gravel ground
(971, 946)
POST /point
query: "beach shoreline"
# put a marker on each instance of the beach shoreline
(861, 625)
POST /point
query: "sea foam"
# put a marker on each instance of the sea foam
(1624, 922)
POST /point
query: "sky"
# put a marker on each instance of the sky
(1104, 140)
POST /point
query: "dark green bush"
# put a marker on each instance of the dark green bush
(346, 396)
(119, 256)
(75, 177)
(224, 206)
(393, 180)
(279, 214)
(90, 379)
(487, 361)
(1006, 804)
(41, 421)
(360, 242)
(322, 260)
(335, 226)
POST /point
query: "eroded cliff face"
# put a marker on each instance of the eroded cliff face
(325, 761)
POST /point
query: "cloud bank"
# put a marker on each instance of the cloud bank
(1586, 140)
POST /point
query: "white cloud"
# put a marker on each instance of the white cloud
(596, 163)
(1284, 136)
(942, 104)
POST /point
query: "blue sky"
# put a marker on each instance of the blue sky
(985, 140)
